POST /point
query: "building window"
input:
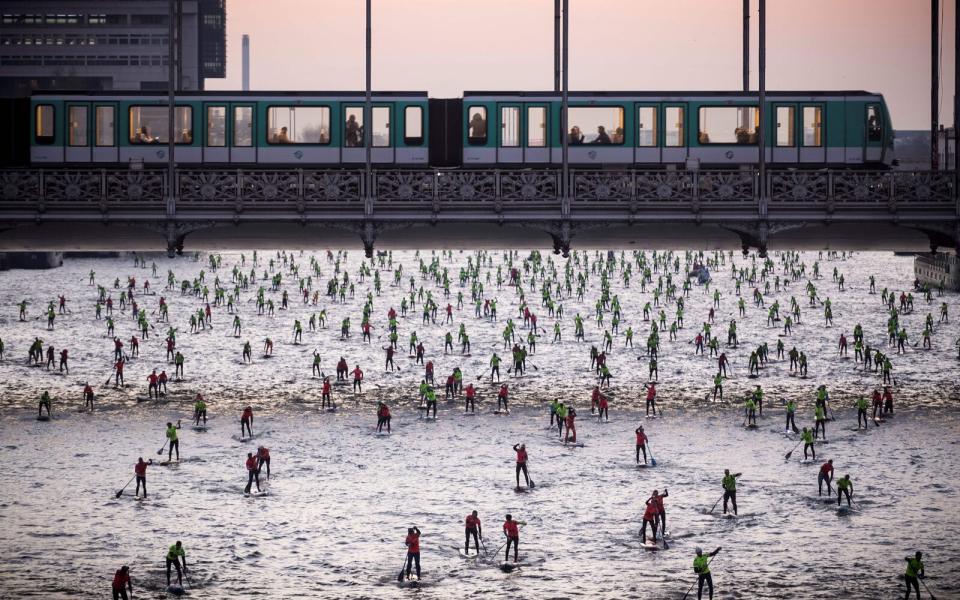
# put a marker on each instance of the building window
(148, 125)
(477, 126)
(812, 126)
(510, 126)
(674, 135)
(105, 126)
(77, 119)
(728, 125)
(216, 126)
(413, 126)
(242, 126)
(44, 130)
(601, 125)
(647, 126)
(298, 125)
(786, 119)
(536, 126)
(381, 126)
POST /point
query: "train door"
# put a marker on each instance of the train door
(674, 140)
(509, 147)
(813, 143)
(105, 143)
(78, 133)
(382, 150)
(537, 147)
(873, 135)
(242, 132)
(785, 142)
(647, 150)
(215, 138)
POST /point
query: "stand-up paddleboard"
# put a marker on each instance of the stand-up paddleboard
(176, 590)
(43, 418)
(649, 546)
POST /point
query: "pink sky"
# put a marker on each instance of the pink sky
(447, 46)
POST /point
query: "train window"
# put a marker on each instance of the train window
(874, 124)
(536, 126)
(595, 125)
(647, 120)
(477, 126)
(353, 126)
(44, 131)
(77, 119)
(413, 126)
(510, 126)
(812, 126)
(105, 126)
(728, 125)
(381, 126)
(149, 125)
(786, 119)
(242, 126)
(674, 131)
(297, 124)
(216, 126)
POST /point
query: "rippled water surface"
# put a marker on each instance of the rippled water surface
(340, 498)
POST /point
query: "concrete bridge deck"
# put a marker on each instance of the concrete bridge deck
(133, 209)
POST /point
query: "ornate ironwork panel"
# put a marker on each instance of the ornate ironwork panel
(270, 186)
(332, 186)
(927, 187)
(135, 186)
(529, 186)
(799, 186)
(467, 186)
(207, 186)
(73, 186)
(603, 186)
(665, 186)
(726, 186)
(19, 185)
(404, 186)
(862, 187)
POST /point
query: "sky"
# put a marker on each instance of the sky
(447, 46)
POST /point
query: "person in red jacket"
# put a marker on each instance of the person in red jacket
(118, 367)
(122, 584)
(162, 383)
(877, 405)
(412, 542)
(152, 384)
(383, 417)
(140, 471)
(521, 450)
(641, 444)
(246, 421)
(571, 426)
(649, 516)
(502, 398)
(325, 394)
(357, 379)
(512, 531)
(651, 398)
(604, 409)
(471, 401)
(594, 399)
(263, 458)
(253, 474)
(63, 361)
(87, 396)
(474, 528)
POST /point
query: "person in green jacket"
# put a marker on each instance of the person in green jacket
(199, 411)
(561, 418)
(844, 486)
(174, 555)
(553, 410)
(495, 366)
(807, 437)
(173, 439)
(730, 489)
(701, 566)
(44, 402)
(862, 411)
(751, 410)
(914, 574)
(791, 410)
(820, 419)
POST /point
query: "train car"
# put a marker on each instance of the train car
(218, 128)
(656, 129)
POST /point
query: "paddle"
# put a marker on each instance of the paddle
(717, 502)
(788, 454)
(932, 597)
(402, 568)
(120, 493)
(653, 461)
(160, 451)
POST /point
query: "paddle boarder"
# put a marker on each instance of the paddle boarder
(412, 542)
(122, 584)
(730, 489)
(701, 566)
(521, 450)
(176, 554)
(512, 530)
(475, 529)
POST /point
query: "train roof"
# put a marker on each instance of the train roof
(217, 93)
(658, 93)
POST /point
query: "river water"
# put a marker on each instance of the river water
(340, 498)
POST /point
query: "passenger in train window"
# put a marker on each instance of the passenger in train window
(324, 135)
(602, 136)
(618, 136)
(478, 126)
(144, 137)
(576, 136)
(186, 137)
(704, 138)
(283, 137)
(353, 133)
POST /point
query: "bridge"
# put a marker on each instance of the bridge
(137, 209)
